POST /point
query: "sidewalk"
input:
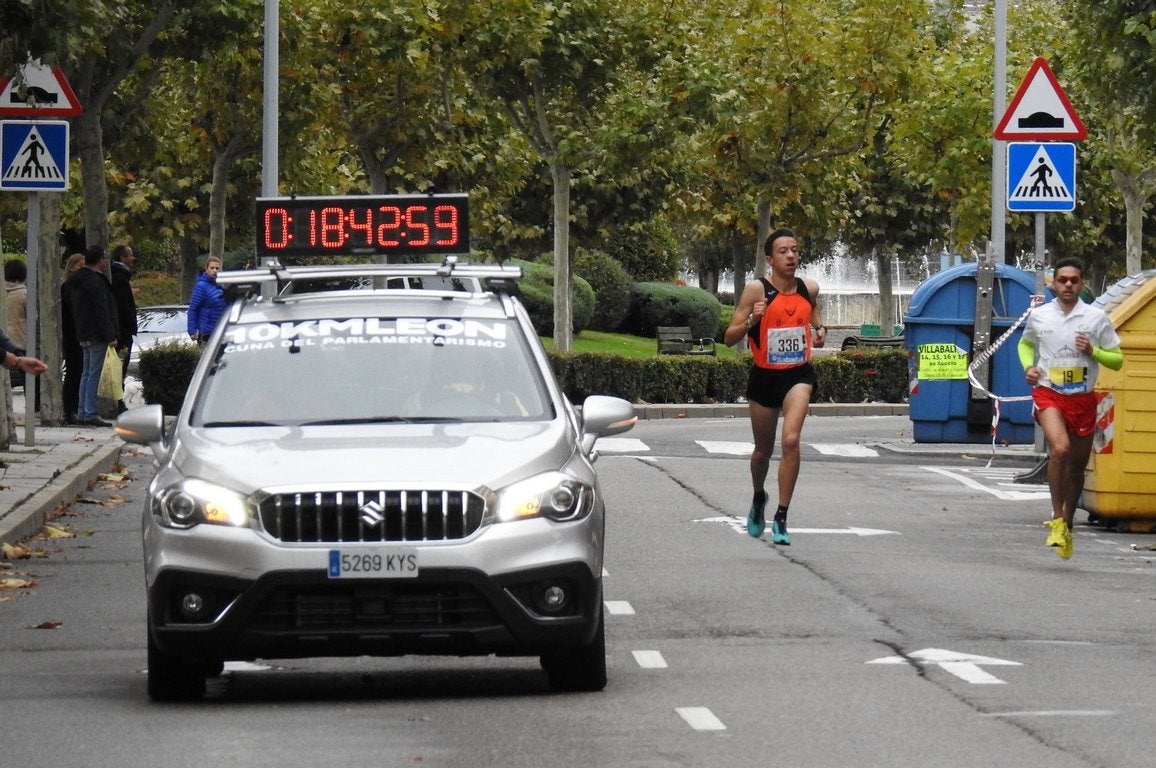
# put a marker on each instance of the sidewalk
(36, 479)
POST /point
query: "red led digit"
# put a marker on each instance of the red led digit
(419, 230)
(365, 225)
(390, 226)
(277, 224)
(331, 229)
(446, 219)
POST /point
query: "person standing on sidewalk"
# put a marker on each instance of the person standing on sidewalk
(207, 303)
(16, 294)
(70, 344)
(125, 296)
(1063, 345)
(94, 317)
(781, 319)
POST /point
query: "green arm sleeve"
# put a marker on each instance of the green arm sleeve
(1027, 353)
(1109, 358)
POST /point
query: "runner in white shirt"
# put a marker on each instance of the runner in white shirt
(1062, 348)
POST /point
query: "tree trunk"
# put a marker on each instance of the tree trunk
(190, 265)
(218, 197)
(563, 328)
(89, 144)
(764, 214)
(48, 279)
(886, 291)
(1136, 189)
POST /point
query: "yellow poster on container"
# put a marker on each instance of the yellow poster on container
(941, 362)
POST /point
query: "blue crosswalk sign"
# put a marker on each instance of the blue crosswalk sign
(34, 155)
(1041, 176)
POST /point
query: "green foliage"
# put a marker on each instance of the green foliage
(156, 288)
(647, 255)
(536, 290)
(655, 304)
(165, 373)
(611, 285)
(851, 376)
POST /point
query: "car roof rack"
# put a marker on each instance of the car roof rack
(275, 280)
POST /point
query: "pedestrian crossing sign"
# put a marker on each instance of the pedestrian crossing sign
(1041, 177)
(34, 155)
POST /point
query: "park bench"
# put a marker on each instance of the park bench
(678, 340)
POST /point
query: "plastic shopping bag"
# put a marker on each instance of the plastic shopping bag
(111, 385)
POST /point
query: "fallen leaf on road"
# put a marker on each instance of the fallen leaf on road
(48, 625)
(15, 551)
(17, 583)
(111, 477)
(53, 532)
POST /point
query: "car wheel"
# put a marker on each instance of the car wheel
(171, 678)
(580, 669)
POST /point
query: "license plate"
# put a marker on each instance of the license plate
(363, 564)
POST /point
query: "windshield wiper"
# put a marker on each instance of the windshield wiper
(376, 420)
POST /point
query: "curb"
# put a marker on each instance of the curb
(27, 517)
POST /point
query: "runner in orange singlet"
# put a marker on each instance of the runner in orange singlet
(780, 316)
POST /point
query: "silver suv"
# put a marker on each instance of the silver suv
(374, 472)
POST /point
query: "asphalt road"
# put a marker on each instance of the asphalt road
(916, 620)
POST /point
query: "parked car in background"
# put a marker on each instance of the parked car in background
(158, 325)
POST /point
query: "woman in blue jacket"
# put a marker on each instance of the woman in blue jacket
(207, 303)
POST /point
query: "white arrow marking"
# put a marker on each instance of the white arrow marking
(740, 525)
(727, 447)
(965, 666)
(1006, 495)
(650, 659)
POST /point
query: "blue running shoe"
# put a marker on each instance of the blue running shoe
(756, 522)
(779, 533)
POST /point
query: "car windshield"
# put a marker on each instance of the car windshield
(161, 320)
(369, 370)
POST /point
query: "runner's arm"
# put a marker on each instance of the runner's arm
(1109, 358)
(1027, 353)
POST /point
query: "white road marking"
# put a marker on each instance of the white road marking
(740, 526)
(619, 608)
(965, 666)
(1054, 713)
(649, 659)
(621, 445)
(978, 486)
(728, 447)
(848, 450)
(700, 718)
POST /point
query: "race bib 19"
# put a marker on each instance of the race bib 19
(1068, 376)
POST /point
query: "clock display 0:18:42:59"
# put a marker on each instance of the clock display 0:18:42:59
(367, 224)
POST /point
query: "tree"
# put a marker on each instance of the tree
(1115, 59)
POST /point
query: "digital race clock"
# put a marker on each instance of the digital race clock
(363, 225)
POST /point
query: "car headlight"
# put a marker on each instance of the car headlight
(551, 495)
(196, 502)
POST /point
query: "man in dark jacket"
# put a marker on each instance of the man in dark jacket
(122, 290)
(94, 317)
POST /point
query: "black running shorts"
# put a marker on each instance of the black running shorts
(769, 388)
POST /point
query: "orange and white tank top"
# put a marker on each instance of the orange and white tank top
(783, 339)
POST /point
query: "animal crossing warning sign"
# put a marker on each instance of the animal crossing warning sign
(34, 155)
(1041, 177)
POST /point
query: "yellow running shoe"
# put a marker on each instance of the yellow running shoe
(1059, 527)
(1065, 549)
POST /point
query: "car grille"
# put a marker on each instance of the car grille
(347, 606)
(352, 516)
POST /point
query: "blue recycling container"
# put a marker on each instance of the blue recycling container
(939, 326)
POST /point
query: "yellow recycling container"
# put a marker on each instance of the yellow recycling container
(1120, 479)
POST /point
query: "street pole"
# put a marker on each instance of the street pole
(997, 245)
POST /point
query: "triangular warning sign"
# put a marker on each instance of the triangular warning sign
(33, 162)
(1040, 111)
(40, 91)
(1040, 181)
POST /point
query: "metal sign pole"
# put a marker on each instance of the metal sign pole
(1041, 261)
(31, 316)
